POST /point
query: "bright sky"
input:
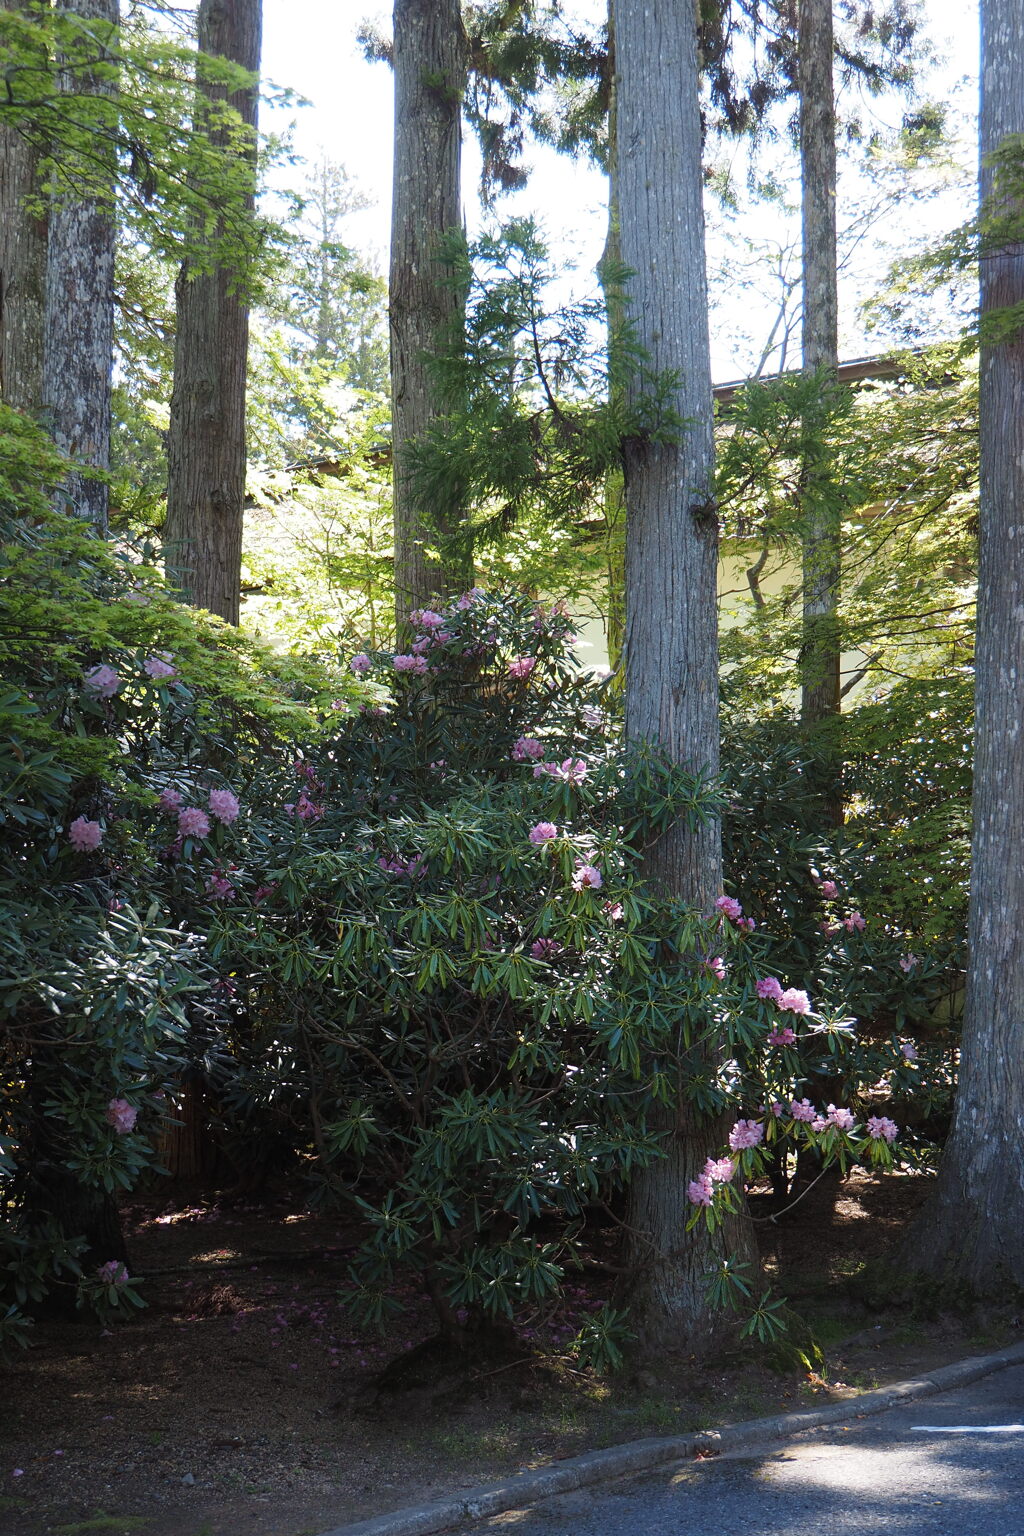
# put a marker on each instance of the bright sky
(309, 45)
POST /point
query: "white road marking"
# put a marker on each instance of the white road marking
(970, 1429)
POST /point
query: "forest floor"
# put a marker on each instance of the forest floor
(240, 1402)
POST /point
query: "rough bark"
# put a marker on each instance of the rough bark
(425, 307)
(22, 264)
(972, 1231)
(820, 695)
(671, 589)
(78, 346)
(206, 436)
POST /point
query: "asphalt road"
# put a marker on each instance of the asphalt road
(951, 1465)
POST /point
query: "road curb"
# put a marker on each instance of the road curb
(634, 1456)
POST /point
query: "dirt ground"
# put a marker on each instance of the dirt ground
(228, 1407)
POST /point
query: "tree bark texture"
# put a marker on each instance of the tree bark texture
(78, 344)
(425, 307)
(206, 436)
(972, 1231)
(22, 264)
(671, 648)
(820, 658)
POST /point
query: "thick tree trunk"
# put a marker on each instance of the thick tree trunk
(206, 438)
(22, 264)
(972, 1231)
(819, 669)
(426, 307)
(671, 575)
(78, 357)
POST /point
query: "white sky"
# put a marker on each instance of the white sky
(309, 46)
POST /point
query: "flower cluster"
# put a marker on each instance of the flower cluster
(701, 1191)
(730, 908)
(85, 836)
(121, 1115)
(410, 868)
(787, 1000)
(114, 1273)
(543, 832)
(527, 749)
(571, 771)
(104, 682)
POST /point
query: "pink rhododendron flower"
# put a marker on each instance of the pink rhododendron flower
(160, 668)
(571, 770)
(361, 664)
(880, 1127)
(113, 1272)
(426, 618)
(545, 949)
(907, 963)
(420, 645)
(729, 907)
(305, 808)
(410, 867)
(819, 1123)
(793, 1001)
(170, 801)
(469, 598)
(223, 805)
(543, 832)
(587, 878)
(700, 1191)
(527, 749)
(803, 1109)
(778, 1109)
(84, 835)
(121, 1115)
(720, 1172)
(522, 666)
(746, 1133)
(909, 1050)
(103, 682)
(782, 1036)
(854, 923)
(193, 822)
(220, 887)
(769, 986)
(414, 664)
(263, 891)
(842, 1119)
(829, 889)
(830, 929)
(717, 967)
(613, 909)
(747, 924)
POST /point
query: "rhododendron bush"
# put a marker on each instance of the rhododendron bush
(107, 991)
(395, 919)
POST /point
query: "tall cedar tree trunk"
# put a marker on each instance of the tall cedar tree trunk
(671, 594)
(819, 664)
(206, 439)
(22, 263)
(78, 343)
(972, 1231)
(425, 304)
